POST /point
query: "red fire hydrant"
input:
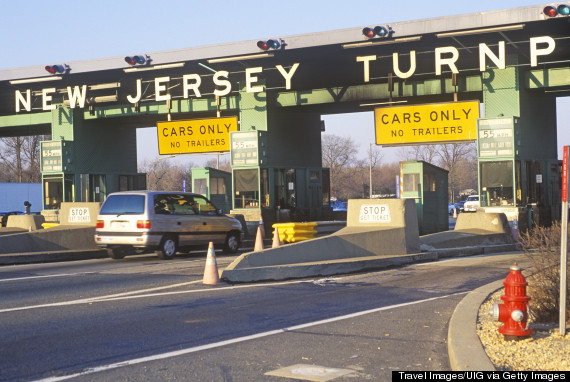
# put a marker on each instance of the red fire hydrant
(514, 311)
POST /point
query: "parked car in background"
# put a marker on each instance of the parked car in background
(164, 222)
(471, 204)
(460, 205)
(337, 205)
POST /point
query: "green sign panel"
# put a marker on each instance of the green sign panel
(496, 137)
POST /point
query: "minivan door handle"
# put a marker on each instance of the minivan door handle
(179, 223)
(204, 223)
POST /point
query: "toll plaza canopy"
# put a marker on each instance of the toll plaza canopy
(515, 61)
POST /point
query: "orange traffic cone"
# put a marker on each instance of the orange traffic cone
(276, 240)
(258, 241)
(211, 276)
(262, 228)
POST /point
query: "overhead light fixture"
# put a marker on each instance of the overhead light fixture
(479, 31)
(380, 42)
(240, 58)
(155, 67)
(382, 103)
(112, 85)
(36, 79)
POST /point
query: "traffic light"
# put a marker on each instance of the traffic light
(377, 31)
(272, 44)
(551, 11)
(137, 60)
(57, 69)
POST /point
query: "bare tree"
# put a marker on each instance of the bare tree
(452, 154)
(163, 175)
(20, 158)
(426, 153)
(224, 164)
(337, 153)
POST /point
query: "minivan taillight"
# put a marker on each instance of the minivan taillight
(143, 224)
(100, 224)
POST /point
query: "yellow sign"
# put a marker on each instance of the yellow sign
(195, 136)
(431, 123)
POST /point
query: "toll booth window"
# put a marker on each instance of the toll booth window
(53, 192)
(201, 186)
(246, 188)
(497, 183)
(411, 182)
(326, 185)
(123, 183)
(217, 186)
(429, 182)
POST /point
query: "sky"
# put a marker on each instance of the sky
(42, 32)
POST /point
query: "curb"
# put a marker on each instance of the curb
(466, 353)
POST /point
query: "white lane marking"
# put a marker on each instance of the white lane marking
(130, 295)
(95, 299)
(195, 349)
(48, 276)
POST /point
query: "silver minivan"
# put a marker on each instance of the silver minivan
(164, 222)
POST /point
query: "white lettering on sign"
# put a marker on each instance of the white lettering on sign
(79, 215)
(446, 56)
(374, 213)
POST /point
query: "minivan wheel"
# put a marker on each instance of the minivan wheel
(168, 247)
(231, 245)
(117, 253)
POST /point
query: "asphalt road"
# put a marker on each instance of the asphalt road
(141, 319)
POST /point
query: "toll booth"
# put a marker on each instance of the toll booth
(70, 175)
(516, 177)
(273, 179)
(215, 185)
(428, 186)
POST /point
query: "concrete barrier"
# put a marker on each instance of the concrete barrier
(79, 213)
(491, 222)
(53, 239)
(27, 222)
(387, 227)
(472, 230)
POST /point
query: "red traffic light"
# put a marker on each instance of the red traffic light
(136, 60)
(368, 32)
(550, 11)
(262, 45)
(55, 69)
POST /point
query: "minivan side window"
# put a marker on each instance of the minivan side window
(204, 206)
(174, 204)
(123, 205)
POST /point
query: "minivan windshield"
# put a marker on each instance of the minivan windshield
(123, 205)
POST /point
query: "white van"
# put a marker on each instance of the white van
(164, 222)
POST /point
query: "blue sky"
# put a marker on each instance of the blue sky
(37, 32)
